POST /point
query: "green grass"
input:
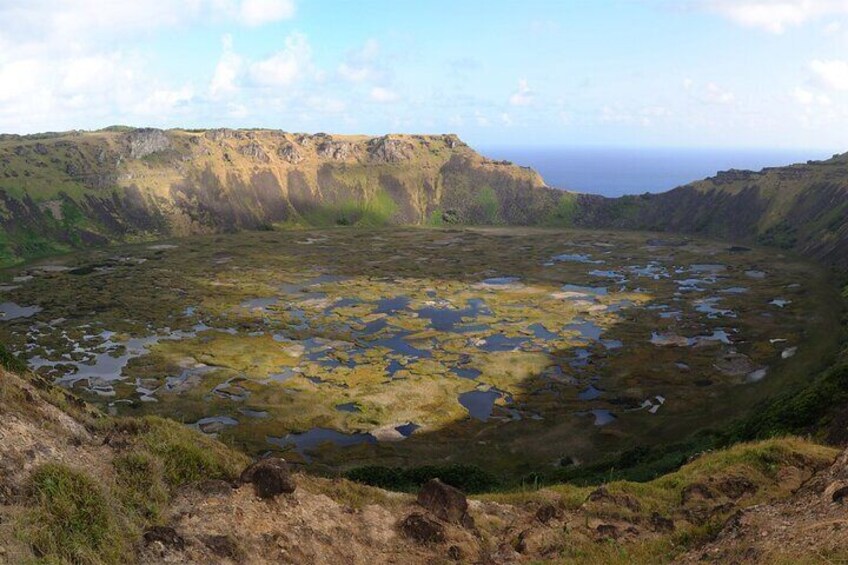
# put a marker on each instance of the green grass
(185, 455)
(73, 519)
(140, 485)
(565, 212)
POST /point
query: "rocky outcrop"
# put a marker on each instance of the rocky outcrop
(147, 141)
(335, 150)
(254, 151)
(290, 153)
(387, 149)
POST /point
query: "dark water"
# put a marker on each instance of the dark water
(618, 171)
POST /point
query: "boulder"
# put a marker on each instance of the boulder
(445, 502)
(422, 529)
(270, 477)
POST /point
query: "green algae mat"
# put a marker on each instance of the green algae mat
(513, 349)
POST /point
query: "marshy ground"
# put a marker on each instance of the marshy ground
(513, 349)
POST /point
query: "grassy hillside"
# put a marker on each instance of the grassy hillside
(803, 207)
(81, 487)
(69, 190)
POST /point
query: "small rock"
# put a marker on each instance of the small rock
(455, 552)
(546, 513)
(224, 546)
(422, 529)
(696, 492)
(606, 531)
(270, 477)
(520, 544)
(736, 486)
(836, 492)
(445, 502)
(660, 523)
(165, 535)
(602, 495)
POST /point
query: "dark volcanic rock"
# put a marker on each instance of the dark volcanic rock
(607, 531)
(445, 502)
(546, 513)
(270, 477)
(422, 529)
(660, 523)
(224, 546)
(603, 496)
(736, 486)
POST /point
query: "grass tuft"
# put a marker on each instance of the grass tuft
(73, 519)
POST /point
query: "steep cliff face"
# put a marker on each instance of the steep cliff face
(60, 191)
(801, 207)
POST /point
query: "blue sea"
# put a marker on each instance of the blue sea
(619, 171)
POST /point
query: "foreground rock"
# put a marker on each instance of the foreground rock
(445, 502)
(270, 477)
(419, 527)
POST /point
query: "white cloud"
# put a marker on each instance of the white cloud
(383, 95)
(73, 22)
(506, 119)
(164, 101)
(523, 96)
(831, 74)
(645, 116)
(284, 67)
(717, 95)
(709, 93)
(360, 65)
(226, 71)
(260, 12)
(809, 98)
(776, 16)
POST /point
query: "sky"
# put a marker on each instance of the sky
(640, 73)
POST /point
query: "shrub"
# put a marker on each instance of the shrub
(468, 478)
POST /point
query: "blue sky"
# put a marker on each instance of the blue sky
(694, 73)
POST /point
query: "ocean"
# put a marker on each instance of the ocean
(619, 171)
